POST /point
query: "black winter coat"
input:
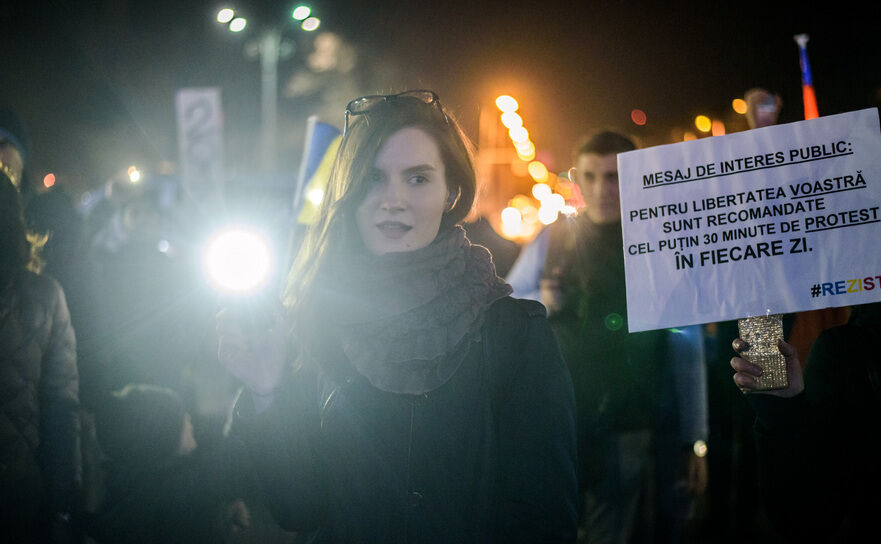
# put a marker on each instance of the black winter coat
(819, 452)
(38, 399)
(487, 457)
(179, 501)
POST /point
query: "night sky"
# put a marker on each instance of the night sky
(95, 81)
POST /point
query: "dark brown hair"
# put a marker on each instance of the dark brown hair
(335, 230)
(19, 250)
(606, 142)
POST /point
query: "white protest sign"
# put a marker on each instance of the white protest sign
(779, 219)
(200, 138)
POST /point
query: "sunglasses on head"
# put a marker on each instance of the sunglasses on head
(363, 105)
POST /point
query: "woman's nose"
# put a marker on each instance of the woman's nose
(394, 196)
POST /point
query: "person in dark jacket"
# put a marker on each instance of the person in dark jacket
(818, 441)
(412, 400)
(39, 428)
(158, 489)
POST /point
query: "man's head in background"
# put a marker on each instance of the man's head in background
(762, 107)
(596, 173)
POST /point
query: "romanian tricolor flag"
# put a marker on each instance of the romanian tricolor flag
(322, 143)
(807, 83)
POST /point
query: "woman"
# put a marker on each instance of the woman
(39, 427)
(412, 399)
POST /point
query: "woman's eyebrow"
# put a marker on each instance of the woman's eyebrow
(418, 169)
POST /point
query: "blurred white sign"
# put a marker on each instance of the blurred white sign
(200, 139)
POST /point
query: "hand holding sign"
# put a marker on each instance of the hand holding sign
(747, 375)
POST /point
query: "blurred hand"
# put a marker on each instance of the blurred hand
(746, 372)
(256, 358)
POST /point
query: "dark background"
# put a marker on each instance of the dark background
(95, 81)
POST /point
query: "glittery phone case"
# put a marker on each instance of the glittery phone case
(762, 333)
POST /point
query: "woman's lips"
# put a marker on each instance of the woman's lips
(393, 229)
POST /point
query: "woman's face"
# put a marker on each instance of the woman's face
(407, 196)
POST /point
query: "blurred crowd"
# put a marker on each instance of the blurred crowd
(121, 435)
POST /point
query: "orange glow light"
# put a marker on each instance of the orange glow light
(718, 128)
(526, 157)
(521, 202)
(525, 150)
(518, 134)
(703, 123)
(688, 135)
(506, 103)
(638, 117)
(524, 147)
(511, 120)
(541, 191)
(49, 180)
(538, 171)
(739, 105)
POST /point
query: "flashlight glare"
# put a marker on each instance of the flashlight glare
(238, 260)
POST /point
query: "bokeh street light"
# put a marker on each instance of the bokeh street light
(547, 215)
(311, 24)
(703, 123)
(739, 105)
(270, 48)
(541, 191)
(538, 171)
(518, 135)
(525, 150)
(638, 117)
(511, 120)
(225, 15)
(238, 24)
(301, 13)
(512, 222)
(506, 103)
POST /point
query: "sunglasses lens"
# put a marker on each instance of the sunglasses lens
(425, 96)
(360, 105)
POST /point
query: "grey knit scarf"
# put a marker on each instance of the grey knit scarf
(405, 320)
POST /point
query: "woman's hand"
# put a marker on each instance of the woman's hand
(747, 372)
(257, 359)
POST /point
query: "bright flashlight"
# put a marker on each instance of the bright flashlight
(238, 260)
